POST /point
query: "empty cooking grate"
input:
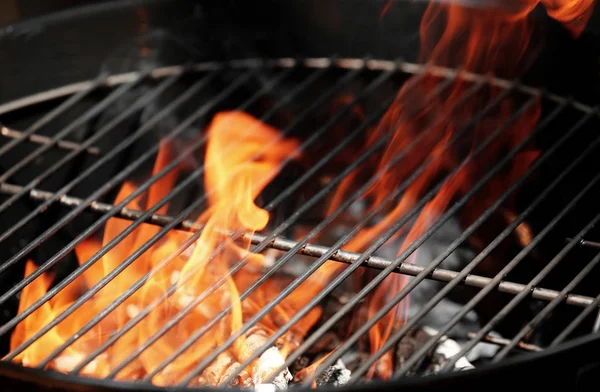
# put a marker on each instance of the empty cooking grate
(106, 185)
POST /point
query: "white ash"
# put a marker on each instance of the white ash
(447, 349)
(67, 362)
(484, 349)
(265, 388)
(267, 363)
(336, 375)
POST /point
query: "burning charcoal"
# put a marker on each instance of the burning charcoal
(336, 375)
(300, 363)
(67, 362)
(268, 362)
(408, 345)
(444, 351)
(436, 359)
(242, 377)
(328, 342)
(212, 375)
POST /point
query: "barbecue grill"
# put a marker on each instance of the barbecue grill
(508, 292)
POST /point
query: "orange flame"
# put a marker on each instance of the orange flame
(477, 40)
(232, 185)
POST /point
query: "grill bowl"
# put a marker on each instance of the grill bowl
(81, 50)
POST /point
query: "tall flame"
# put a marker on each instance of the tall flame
(481, 41)
(238, 166)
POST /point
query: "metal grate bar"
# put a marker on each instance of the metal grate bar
(289, 289)
(590, 244)
(60, 109)
(45, 140)
(172, 289)
(503, 342)
(513, 263)
(308, 81)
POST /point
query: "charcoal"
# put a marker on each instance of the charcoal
(443, 352)
(268, 362)
(300, 363)
(436, 358)
(335, 375)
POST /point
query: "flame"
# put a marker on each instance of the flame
(480, 41)
(232, 185)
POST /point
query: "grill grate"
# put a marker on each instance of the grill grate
(237, 75)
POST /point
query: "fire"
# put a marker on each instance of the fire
(232, 185)
(481, 41)
(243, 156)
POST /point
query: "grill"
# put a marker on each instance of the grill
(237, 75)
(277, 222)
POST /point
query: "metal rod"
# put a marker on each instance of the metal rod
(313, 250)
(517, 259)
(498, 341)
(587, 243)
(45, 140)
(102, 208)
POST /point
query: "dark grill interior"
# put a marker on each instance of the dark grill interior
(65, 158)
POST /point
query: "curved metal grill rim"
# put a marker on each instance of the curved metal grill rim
(288, 62)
